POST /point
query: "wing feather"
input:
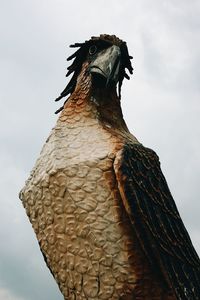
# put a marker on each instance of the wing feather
(156, 220)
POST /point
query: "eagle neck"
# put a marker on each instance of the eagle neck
(99, 103)
(108, 107)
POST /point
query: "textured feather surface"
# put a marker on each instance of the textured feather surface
(74, 205)
(156, 220)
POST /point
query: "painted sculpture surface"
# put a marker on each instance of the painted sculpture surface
(98, 202)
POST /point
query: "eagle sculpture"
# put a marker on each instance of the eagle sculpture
(98, 202)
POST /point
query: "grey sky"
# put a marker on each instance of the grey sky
(160, 104)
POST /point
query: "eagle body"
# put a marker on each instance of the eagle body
(101, 209)
(73, 202)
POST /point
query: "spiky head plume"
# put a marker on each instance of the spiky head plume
(80, 56)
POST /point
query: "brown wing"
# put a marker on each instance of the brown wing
(156, 220)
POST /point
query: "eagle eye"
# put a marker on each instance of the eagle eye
(92, 49)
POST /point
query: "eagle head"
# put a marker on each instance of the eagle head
(106, 58)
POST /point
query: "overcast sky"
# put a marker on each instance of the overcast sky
(160, 104)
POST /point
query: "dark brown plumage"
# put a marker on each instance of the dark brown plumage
(156, 220)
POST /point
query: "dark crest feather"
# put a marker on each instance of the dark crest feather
(80, 56)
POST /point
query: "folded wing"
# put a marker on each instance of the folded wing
(156, 220)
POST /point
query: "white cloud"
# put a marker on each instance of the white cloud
(7, 295)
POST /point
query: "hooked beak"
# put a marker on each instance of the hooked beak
(105, 67)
